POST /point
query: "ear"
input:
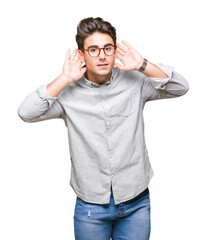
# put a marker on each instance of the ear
(116, 53)
(81, 56)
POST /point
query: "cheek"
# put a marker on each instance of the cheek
(89, 62)
(113, 59)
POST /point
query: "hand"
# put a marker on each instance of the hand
(72, 70)
(130, 58)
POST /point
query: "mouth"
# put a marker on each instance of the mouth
(102, 65)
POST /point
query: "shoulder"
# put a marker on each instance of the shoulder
(134, 77)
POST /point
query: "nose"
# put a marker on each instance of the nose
(102, 54)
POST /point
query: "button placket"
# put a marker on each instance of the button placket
(106, 104)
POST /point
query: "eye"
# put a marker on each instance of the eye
(92, 50)
(108, 48)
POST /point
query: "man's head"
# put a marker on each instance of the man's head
(88, 26)
(92, 34)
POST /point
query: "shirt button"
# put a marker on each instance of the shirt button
(110, 156)
(108, 137)
(112, 175)
(104, 102)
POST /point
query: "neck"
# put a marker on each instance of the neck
(99, 79)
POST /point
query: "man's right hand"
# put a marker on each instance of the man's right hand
(72, 70)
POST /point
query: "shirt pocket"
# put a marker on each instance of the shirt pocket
(123, 104)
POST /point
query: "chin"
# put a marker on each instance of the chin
(104, 71)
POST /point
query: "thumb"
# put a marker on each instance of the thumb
(119, 66)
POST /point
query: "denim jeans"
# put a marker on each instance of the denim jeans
(128, 220)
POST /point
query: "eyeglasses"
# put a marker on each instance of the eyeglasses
(94, 51)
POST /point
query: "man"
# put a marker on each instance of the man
(102, 107)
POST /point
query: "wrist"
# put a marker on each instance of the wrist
(64, 79)
(143, 65)
(139, 64)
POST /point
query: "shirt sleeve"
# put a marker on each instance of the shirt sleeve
(158, 88)
(38, 106)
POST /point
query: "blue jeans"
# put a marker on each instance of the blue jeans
(128, 220)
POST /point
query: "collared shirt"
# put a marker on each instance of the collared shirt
(106, 129)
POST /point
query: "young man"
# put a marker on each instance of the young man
(102, 107)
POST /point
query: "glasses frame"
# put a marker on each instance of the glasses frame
(115, 47)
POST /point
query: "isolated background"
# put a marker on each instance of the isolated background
(36, 200)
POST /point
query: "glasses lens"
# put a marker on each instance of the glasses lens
(109, 50)
(93, 51)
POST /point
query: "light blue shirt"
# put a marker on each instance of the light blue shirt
(106, 129)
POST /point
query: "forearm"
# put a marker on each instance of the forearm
(152, 70)
(55, 87)
(37, 106)
(157, 88)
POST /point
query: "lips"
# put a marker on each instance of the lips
(102, 64)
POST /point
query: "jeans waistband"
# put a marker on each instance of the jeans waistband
(146, 191)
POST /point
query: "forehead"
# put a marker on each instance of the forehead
(99, 39)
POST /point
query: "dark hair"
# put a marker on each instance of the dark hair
(88, 26)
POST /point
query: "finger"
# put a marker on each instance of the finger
(76, 56)
(120, 51)
(123, 48)
(126, 44)
(67, 57)
(73, 54)
(120, 57)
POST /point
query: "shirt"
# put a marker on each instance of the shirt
(106, 129)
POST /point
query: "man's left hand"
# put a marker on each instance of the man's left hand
(129, 56)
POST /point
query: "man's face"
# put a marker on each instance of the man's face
(102, 64)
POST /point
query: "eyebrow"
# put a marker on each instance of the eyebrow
(107, 44)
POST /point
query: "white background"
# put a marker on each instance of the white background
(36, 200)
